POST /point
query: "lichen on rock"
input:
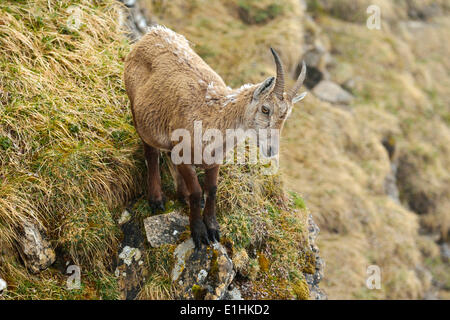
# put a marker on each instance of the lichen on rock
(203, 274)
(36, 251)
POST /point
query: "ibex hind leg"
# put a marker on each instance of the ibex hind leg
(180, 185)
(155, 198)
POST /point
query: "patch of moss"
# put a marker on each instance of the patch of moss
(297, 200)
(264, 263)
(309, 265)
(5, 143)
(301, 290)
(253, 269)
(214, 269)
(198, 292)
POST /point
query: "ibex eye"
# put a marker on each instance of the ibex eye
(265, 110)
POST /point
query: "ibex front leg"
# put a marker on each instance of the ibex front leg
(198, 229)
(209, 214)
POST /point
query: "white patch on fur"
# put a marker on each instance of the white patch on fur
(211, 95)
(235, 93)
(178, 44)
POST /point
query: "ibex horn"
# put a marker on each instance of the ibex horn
(279, 84)
(291, 94)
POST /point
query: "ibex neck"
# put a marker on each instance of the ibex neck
(233, 108)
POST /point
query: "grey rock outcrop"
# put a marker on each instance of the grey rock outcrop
(203, 274)
(390, 183)
(331, 92)
(131, 269)
(36, 251)
(165, 228)
(313, 279)
(133, 19)
(445, 252)
(233, 294)
(3, 286)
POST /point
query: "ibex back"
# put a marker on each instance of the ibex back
(170, 87)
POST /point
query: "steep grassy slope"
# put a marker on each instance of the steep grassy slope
(68, 149)
(401, 89)
(71, 160)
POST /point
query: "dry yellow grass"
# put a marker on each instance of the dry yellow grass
(339, 164)
(67, 143)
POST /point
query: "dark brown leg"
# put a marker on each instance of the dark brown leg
(209, 214)
(155, 195)
(182, 191)
(198, 228)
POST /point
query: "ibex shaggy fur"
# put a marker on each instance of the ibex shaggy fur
(170, 87)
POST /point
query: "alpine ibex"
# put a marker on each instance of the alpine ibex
(171, 87)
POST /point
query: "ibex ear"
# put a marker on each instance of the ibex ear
(264, 88)
(299, 97)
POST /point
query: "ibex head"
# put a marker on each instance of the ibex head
(271, 106)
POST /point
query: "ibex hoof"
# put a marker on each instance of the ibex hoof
(184, 200)
(214, 235)
(199, 234)
(156, 205)
(213, 228)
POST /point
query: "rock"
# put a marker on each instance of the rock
(349, 85)
(445, 252)
(36, 251)
(233, 294)
(125, 217)
(3, 286)
(165, 228)
(204, 274)
(315, 293)
(332, 92)
(316, 60)
(390, 184)
(133, 20)
(421, 11)
(313, 230)
(129, 254)
(129, 3)
(131, 269)
(314, 57)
